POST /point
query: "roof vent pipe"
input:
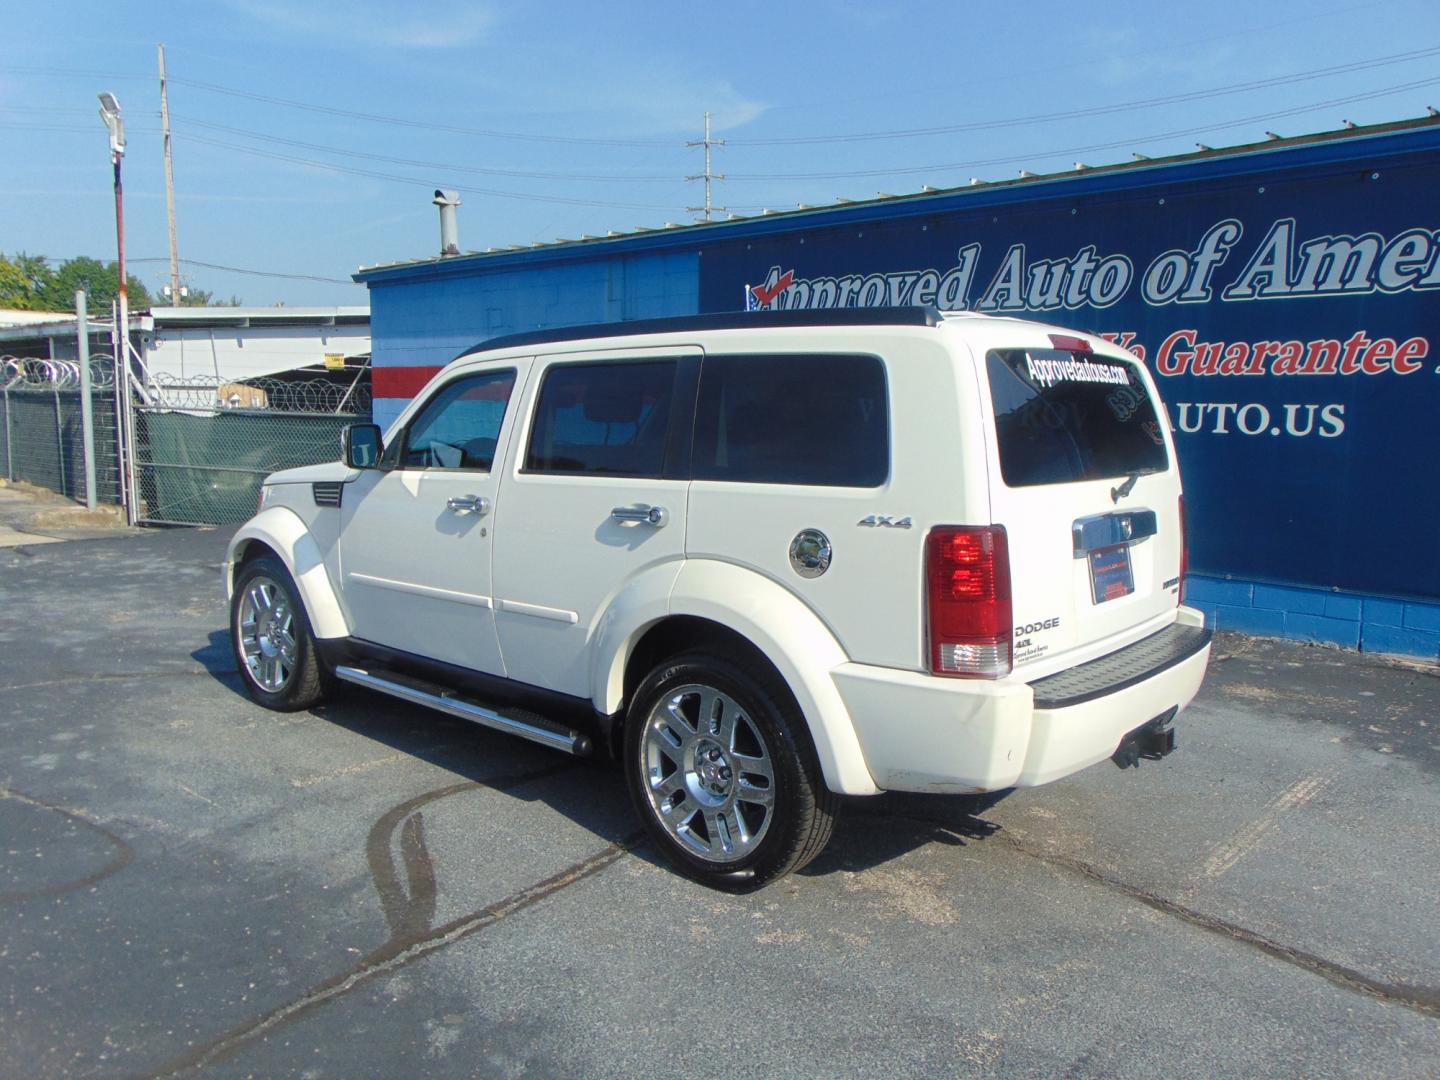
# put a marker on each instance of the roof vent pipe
(447, 201)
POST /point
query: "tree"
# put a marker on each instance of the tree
(14, 290)
(23, 280)
(195, 297)
(99, 280)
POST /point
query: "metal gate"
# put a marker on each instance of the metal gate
(200, 450)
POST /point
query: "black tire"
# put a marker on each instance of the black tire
(664, 768)
(301, 681)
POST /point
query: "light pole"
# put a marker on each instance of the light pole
(115, 125)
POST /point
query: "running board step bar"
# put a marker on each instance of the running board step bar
(527, 725)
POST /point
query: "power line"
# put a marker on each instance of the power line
(1086, 58)
(751, 177)
(1199, 95)
(213, 266)
(332, 167)
(1128, 141)
(1098, 110)
(419, 164)
(74, 73)
(89, 129)
(74, 110)
(370, 173)
(428, 125)
(252, 273)
(973, 126)
(985, 125)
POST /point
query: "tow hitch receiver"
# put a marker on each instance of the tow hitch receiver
(1151, 740)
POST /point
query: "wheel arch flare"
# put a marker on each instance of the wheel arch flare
(751, 608)
(282, 532)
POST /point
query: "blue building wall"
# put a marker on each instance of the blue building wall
(425, 323)
(1351, 620)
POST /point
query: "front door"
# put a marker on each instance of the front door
(416, 535)
(596, 496)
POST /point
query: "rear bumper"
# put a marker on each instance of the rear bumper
(921, 733)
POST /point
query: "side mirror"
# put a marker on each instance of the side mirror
(362, 446)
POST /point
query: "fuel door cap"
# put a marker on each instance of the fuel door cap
(810, 553)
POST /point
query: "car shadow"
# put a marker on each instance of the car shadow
(216, 658)
(870, 832)
(874, 830)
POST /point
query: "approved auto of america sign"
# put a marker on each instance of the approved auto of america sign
(1288, 312)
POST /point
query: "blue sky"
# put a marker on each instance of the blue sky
(572, 117)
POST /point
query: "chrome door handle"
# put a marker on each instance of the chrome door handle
(656, 516)
(468, 504)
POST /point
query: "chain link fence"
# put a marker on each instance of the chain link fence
(202, 448)
(43, 435)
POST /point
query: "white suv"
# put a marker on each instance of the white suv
(765, 559)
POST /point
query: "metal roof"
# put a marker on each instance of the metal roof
(12, 317)
(52, 326)
(259, 316)
(62, 324)
(1325, 146)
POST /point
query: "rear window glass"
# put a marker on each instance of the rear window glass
(1063, 417)
(792, 419)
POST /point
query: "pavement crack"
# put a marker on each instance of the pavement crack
(124, 854)
(408, 903)
(1422, 999)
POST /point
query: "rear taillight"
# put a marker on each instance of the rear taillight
(967, 590)
(1184, 552)
(1066, 343)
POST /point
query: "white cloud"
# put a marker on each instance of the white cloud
(679, 105)
(443, 24)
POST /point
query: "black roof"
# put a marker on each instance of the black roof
(722, 320)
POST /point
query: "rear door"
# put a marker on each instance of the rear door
(595, 495)
(793, 448)
(1083, 477)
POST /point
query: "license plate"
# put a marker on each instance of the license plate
(1110, 574)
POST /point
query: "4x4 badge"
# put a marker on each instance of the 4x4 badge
(884, 521)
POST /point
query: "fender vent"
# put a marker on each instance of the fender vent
(328, 492)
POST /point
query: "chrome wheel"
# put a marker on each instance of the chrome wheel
(707, 773)
(266, 630)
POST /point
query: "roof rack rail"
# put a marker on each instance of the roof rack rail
(917, 315)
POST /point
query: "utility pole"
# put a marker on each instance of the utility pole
(169, 185)
(707, 142)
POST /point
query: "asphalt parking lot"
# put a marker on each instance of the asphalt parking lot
(191, 884)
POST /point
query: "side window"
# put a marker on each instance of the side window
(791, 419)
(608, 418)
(460, 426)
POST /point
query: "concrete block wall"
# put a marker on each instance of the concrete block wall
(1355, 621)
